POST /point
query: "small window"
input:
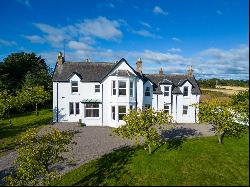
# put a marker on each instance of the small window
(74, 86)
(77, 108)
(185, 92)
(97, 88)
(147, 92)
(113, 88)
(131, 89)
(166, 108)
(166, 90)
(122, 88)
(185, 110)
(71, 108)
(92, 110)
(147, 105)
(113, 112)
(122, 111)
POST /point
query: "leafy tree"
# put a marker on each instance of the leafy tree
(14, 68)
(240, 103)
(143, 124)
(36, 156)
(222, 116)
(7, 102)
(33, 96)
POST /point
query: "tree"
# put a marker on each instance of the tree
(7, 102)
(33, 96)
(143, 124)
(37, 154)
(222, 116)
(14, 68)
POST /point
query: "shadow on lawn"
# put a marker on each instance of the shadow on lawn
(109, 167)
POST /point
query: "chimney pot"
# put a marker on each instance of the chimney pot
(190, 71)
(139, 65)
(60, 58)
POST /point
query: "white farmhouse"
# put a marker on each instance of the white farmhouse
(101, 93)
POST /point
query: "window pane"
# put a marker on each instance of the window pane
(113, 112)
(166, 88)
(147, 89)
(122, 84)
(185, 91)
(77, 108)
(122, 109)
(74, 83)
(121, 116)
(113, 83)
(122, 91)
(71, 108)
(92, 113)
(92, 105)
(114, 91)
(74, 89)
(166, 93)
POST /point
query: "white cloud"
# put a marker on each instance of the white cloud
(158, 10)
(145, 24)
(174, 50)
(35, 39)
(146, 33)
(78, 45)
(7, 43)
(176, 39)
(24, 2)
(219, 12)
(101, 27)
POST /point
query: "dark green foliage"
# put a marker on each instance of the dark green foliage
(37, 154)
(211, 83)
(14, 68)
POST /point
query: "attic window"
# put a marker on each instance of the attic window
(74, 86)
(147, 92)
(166, 90)
(97, 88)
(185, 92)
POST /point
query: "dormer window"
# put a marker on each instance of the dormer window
(166, 90)
(147, 92)
(74, 86)
(97, 88)
(185, 91)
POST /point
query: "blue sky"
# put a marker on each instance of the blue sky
(210, 35)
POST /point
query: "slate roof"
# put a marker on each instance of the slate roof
(97, 71)
(175, 80)
(88, 71)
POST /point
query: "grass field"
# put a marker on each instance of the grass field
(19, 124)
(226, 90)
(198, 161)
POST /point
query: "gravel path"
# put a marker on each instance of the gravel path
(93, 142)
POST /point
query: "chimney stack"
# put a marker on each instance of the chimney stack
(161, 72)
(190, 71)
(139, 65)
(60, 58)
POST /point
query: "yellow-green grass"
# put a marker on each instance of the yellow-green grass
(198, 161)
(9, 133)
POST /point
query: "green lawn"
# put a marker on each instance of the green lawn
(9, 133)
(198, 161)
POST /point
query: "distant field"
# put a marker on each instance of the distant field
(228, 90)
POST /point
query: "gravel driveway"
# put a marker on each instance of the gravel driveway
(93, 142)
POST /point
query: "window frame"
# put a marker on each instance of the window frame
(185, 92)
(119, 113)
(147, 92)
(166, 92)
(71, 108)
(96, 89)
(74, 87)
(125, 89)
(131, 88)
(113, 113)
(91, 108)
(77, 110)
(185, 109)
(167, 110)
(113, 86)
